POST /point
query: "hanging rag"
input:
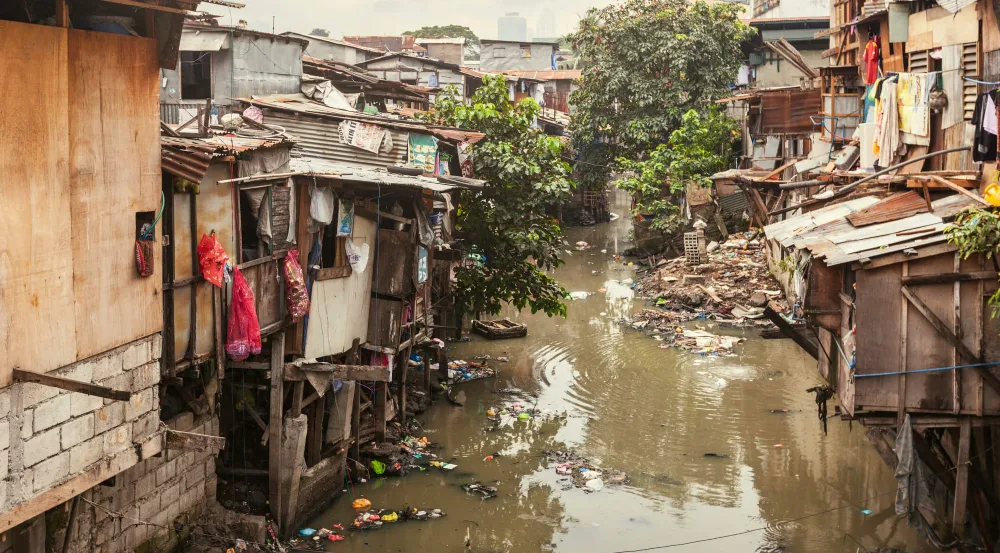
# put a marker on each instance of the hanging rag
(912, 487)
(887, 125)
(984, 142)
(426, 231)
(260, 205)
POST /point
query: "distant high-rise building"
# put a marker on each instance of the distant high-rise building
(546, 24)
(512, 27)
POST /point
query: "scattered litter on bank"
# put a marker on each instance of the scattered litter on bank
(582, 473)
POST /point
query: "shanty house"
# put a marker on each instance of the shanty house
(798, 23)
(330, 49)
(501, 55)
(87, 430)
(451, 50)
(415, 70)
(219, 63)
(556, 85)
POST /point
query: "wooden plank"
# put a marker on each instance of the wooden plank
(190, 441)
(948, 184)
(962, 477)
(927, 197)
(779, 170)
(904, 324)
(394, 253)
(956, 327)
(314, 438)
(71, 385)
(950, 337)
(252, 365)
(114, 172)
(367, 373)
(274, 424)
(333, 272)
(381, 399)
(940, 278)
(789, 331)
(297, 391)
(86, 480)
(218, 333)
(62, 17)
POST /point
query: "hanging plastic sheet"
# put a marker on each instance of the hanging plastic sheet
(912, 488)
(345, 218)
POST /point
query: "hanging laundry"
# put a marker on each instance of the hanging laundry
(872, 56)
(887, 121)
(913, 93)
(984, 143)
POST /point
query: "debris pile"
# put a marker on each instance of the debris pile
(373, 520)
(505, 415)
(398, 459)
(582, 473)
(481, 490)
(464, 371)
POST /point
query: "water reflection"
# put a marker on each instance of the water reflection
(654, 413)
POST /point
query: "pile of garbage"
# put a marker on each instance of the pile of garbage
(318, 536)
(398, 459)
(464, 371)
(507, 414)
(582, 473)
(481, 490)
(373, 520)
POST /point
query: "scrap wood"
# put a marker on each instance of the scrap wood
(711, 293)
(956, 188)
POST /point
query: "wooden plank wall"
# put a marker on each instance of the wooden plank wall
(74, 177)
(883, 345)
(339, 312)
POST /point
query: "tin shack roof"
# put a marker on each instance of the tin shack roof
(828, 234)
(189, 158)
(380, 177)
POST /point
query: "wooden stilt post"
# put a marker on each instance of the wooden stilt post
(427, 369)
(443, 364)
(275, 424)
(962, 476)
(355, 358)
(381, 398)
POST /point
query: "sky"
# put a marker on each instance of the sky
(393, 17)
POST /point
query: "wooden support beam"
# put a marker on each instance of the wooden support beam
(777, 172)
(252, 365)
(190, 441)
(789, 331)
(369, 373)
(950, 185)
(275, 492)
(381, 399)
(901, 385)
(943, 278)
(219, 337)
(427, 370)
(314, 438)
(297, 392)
(927, 196)
(950, 337)
(71, 385)
(62, 15)
(962, 478)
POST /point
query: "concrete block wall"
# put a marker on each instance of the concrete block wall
(176, 486)
(49, 435)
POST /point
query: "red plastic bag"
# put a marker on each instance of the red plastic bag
(243, 338)
(211, 258)
(296, 295)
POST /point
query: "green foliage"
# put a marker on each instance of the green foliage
(701, 147)
(645, 64)
(506, 222)
(445, 31)
(319, 32)
(977, 231)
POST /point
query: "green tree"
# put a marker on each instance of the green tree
(505, 223)
(450, 31)
(701, 147)
(645, 63)
(319, 32)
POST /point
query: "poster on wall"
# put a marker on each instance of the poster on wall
(345, 218)
(423, 152)
(423, 265)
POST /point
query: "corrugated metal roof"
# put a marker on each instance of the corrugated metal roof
(827, 233)
(382, 177)
(541, 75)
(189, 158)
(320, 139)
(897, 206)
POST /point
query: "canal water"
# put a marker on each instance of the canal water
(653, 413)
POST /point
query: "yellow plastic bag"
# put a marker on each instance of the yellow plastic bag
(992, 194)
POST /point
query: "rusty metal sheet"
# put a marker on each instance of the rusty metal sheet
(897, 206)
(789, 112)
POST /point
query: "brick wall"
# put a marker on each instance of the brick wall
(48, 435)
(176, 486)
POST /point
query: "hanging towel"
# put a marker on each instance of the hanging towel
(887, 125)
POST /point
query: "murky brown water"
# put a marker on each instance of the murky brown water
(653, 413)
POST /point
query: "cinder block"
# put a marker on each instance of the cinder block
(77, 430)
(145, 485)
(27, 424)
(166, 473)
(194, 476)
(156, 346)
(145, 425)
(41, 447)
(4, 465)
(140, 404)
(51, 472)
(117, 439)
(4, 411)
(105, 531)
(183, 422)
(149, 507)
(107, 366)
(109, 416)
(146, 376)
(52, 412)
(33, 394)
(211, 486)
(170, 496)
(85, 454)
(136, 355)
(81, 404)
(5, 433)
(81, 372)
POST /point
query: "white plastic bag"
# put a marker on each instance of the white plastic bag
(321, 208)
(357, 256)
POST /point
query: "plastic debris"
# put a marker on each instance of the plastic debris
(361, 503)
(477, 488)
(307, 532)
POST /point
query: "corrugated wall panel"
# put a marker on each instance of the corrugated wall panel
(319, 138)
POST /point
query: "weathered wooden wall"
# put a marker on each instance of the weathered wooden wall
(340, 306)
(74, 176)
(886, 344)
